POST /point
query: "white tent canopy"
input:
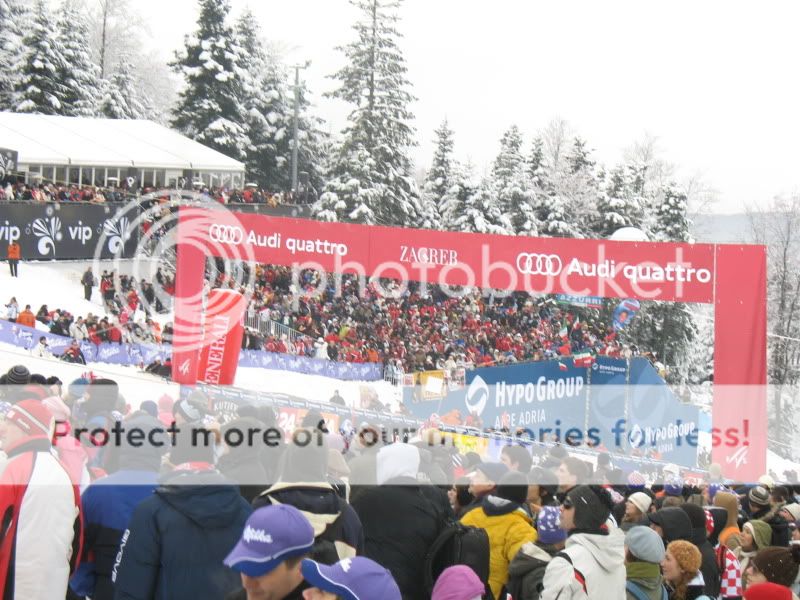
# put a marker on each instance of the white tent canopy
(79, 141)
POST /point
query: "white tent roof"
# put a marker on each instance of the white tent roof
(80, 141)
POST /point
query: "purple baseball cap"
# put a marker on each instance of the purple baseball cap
(271, 535)
(356, 578)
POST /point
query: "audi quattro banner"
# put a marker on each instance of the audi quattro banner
(682, 272)
(68, 231)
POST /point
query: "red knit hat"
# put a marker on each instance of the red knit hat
(767, 591)
(32, 417)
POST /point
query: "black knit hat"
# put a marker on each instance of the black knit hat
(18, 375)
(513, 486)
(592, 506)
(779, 565)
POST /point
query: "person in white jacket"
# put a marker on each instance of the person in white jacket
(592, 564)
(78, 331)
(41, 350)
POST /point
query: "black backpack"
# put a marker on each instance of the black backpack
(458, 544)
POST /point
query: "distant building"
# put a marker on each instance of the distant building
(107, 152)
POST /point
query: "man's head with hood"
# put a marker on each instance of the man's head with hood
(697, 517)
(730, 503)
(306, 462)
(671, 524)
(395, 461)
(144, 456)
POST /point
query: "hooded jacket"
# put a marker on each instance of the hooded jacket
(730, 534)
(178, 538)
(600, 558)
(322, 506)
(508, 527)
(674, 523)
(526, 571)
(401, 520)
(645, 576)
(761, 538)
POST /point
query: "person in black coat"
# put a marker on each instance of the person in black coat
(671, 524)
(242, 462)
(178, 538)
(699, 538)
(402, 518)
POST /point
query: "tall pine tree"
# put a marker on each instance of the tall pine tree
(482, 213)
(515, 194)
(79, 73)
(372, 178)
(40, 88)
(209, 106)
(121, 99)
(439, 179)
(617, 205)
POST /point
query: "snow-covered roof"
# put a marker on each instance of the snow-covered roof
(80, 141)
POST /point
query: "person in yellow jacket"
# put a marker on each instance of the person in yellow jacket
(506, 523)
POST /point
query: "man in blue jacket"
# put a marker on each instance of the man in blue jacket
(108, 504)
(177, 539)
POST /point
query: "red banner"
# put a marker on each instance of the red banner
(731, 277)
(223, 334)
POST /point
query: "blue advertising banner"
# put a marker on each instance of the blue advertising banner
(661, 426)
(631, 410)
(607, 395)
(547, 398)
(144, 354)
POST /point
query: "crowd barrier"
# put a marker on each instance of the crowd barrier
(143, 354)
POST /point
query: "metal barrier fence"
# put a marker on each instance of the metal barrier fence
(261, 322)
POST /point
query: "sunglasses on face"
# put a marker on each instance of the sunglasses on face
(566, 504)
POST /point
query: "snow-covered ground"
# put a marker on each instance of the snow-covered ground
(57, 284)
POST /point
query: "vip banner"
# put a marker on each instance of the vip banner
(66, 230)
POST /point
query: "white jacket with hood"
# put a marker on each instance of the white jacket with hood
(601, 560)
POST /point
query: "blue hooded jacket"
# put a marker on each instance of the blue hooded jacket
(177, 539)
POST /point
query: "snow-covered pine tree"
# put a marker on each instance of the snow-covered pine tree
(668, 328)
(672, 219)
(121, 98)
(482, 213)
(209, 106)
(79, 73)
(372, 180)
(10, 50)
(536, 166)
(463, 186)
(617, 205)
(439, 179)
(266, 111)
(556, 219)
(579, 188)
(39, 88)
(515, 193)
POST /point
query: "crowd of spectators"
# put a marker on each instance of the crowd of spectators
(417, 332)
(544, 524)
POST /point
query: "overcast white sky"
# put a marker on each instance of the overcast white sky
(717, 82)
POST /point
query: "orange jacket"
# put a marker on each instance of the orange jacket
(13, 251)
(26, 318)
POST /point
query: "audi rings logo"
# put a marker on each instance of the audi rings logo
(226, 234)
(539, 264)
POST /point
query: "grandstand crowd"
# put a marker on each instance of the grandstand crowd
(416, 331)
(127, 520)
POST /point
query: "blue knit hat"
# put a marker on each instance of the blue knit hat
(549, 526)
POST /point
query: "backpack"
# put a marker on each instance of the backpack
(639, 594)
(578, 575)
(458, 544)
